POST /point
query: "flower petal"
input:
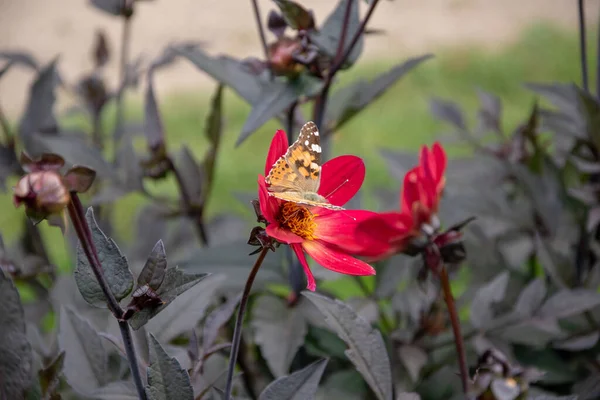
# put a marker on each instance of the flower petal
(335, 260)
(269, 205)
(278, 147)
(411, 190)
(341, 178)
(282, 235)
(311, 284)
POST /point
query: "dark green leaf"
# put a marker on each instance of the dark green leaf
(215, 320)
(116, 270)
(569, 302)
(350, 100)
(191, 174)
(39, 113)
(226, 70)
(276, 97)
(279, 331)
(112, 7)
(153, 125)
(295, 16)
(213, 131)
(579, 343)
(120, 390)
(75, 151)
(531, 298)
(448, 111)
(488, 294)
(367, 350)
(153, 272)
(166, 379)
(328, 36)
(174, 284)
(15, 351)
(343, 384)
(301, 385)
(86, 360)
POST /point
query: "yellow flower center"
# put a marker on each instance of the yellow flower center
(297, 219)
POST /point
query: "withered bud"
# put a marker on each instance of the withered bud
(43, 192)
(281, 57)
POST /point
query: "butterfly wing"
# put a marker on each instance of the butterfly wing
(299, 169)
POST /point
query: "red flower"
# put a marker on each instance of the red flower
(326, 235)
(419, 201)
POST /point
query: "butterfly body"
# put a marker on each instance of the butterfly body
(296, 175)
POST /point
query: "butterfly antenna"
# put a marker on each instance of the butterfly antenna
(337, 188)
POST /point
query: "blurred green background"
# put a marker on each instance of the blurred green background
(398, 120)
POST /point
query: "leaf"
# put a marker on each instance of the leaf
(75, 151)
(567, 302)
(295, 16)
(408, 396)
(191, 175)
(276, 97)
(492, 292)
(153, 272)
(153, 125)
(112, 7)
(533, 332)
(550, 261)
(120, 390)
(215, 320)
(39, 113)
(579, 343)
(448, 111)
(18, 57)
(328, 37)
(86, 360)
(175, 284)
(414, 359)
(213, 132)
(117, 274)
(531, 298)
(166, 379)
(367, 350)
(301, 385)
(279, 331)
(350, 100)
(49, 375)
(16, 356)
(490, 112)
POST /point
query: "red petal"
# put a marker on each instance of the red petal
(269, 205)
(311, 284)
(341, 178)
(282, 235)
(278, 147)
(335, 260)
(386, 234)
(439, 155)
(410, 190)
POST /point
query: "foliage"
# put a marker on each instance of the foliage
(131, 322)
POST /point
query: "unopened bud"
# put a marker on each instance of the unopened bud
(43, 193)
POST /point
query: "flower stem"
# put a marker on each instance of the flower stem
(261, 30)
(85, 237)
(123, 61)
(454, 320)
(582, 45)
(237, 333)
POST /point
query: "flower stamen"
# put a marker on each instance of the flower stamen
(298, 220)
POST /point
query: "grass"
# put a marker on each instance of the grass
(398, 120)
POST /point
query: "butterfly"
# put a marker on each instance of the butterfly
(296, 175)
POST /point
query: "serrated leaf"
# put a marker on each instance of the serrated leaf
(174, 284)
(301, 385)
(16, 356)
(112, 7)
(492, 292)
(166, 379)
(153, 272)
(153, 125)
(86, 360)
(567, 302)
(531, 298)
(350, 100)
(117, 274)
(276, 97)
(366, 350)
(327, 38)
(279, 331)
(39, 113)
(215, 320)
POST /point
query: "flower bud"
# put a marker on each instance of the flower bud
(43, 193)
(281, 57)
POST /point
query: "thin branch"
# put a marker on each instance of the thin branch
(85, 237)
(583, 46)
(239, 321)
(261, 29)
(123, 63)
(458, 340)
